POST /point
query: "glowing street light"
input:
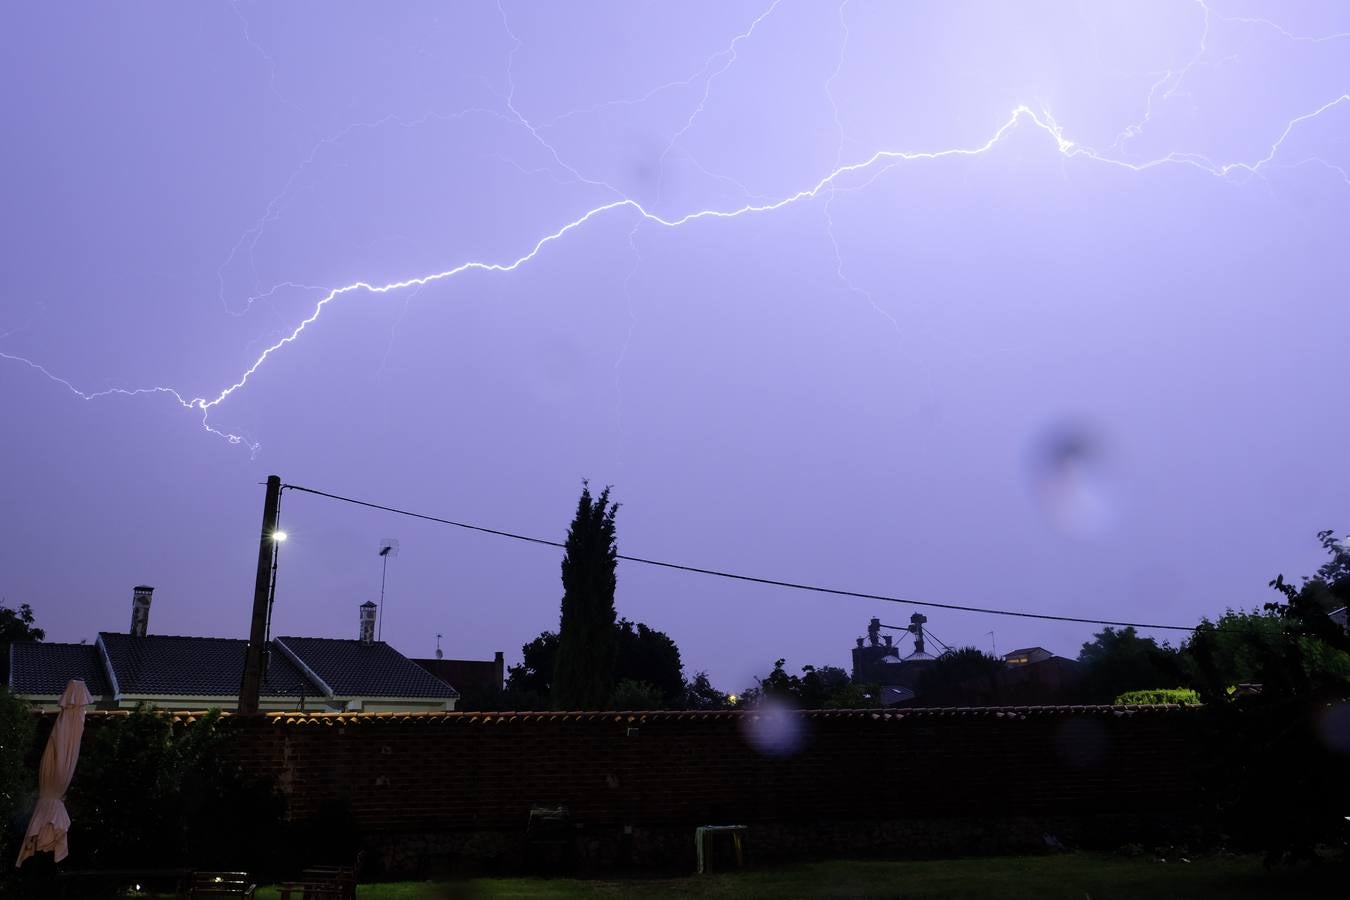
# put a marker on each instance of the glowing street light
(279, 536)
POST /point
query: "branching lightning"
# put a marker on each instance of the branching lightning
(869, 167)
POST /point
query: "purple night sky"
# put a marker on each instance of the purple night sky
(1038, 306)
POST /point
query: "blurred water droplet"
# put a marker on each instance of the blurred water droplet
(773, 729)
(1070, 479)
(1334, 727)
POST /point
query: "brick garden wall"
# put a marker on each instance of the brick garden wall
(914, 781)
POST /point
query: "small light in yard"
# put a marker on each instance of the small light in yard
(279, 536)
(732, 698)
(135, 887)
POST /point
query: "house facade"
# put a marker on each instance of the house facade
(175, 672)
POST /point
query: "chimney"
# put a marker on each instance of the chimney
(499, 670)
(368, 622)
(140, 609)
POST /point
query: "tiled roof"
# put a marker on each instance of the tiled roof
(167, 665)
(38, 668)
(355, 669)
(476, 719)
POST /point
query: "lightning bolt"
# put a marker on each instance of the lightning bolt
(873, 166)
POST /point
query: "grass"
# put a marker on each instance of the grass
(1072, 876)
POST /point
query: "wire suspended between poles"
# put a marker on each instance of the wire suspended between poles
(736, 576)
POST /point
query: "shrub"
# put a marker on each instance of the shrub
(146, 792)
(17, 777)
(1159, 697)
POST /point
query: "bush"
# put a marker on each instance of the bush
(17, 776)
(1159, 697)
(148, 793)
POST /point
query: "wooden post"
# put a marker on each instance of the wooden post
(257, 636)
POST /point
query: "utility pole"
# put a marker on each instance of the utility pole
(257, 635)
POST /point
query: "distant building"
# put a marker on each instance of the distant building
(469, 674)
(878, 662)
(196, 673)
(1026, 656)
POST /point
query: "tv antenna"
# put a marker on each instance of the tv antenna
(439, 654)
(388, 548)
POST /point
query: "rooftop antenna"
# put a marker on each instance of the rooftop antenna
(439, 654)
(388, 548)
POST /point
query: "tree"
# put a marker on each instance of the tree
(642, 654)
(584, 674)
(534, 675)
(630, 694)
(1119, 660)
(1265, 648)
(1307, 608)
(649, 656)
(699, 693)
(827, 687)
(943, 683)
(15, 625)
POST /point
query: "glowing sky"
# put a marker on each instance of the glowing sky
(1038, 306)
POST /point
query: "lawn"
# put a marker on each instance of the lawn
(1076, 876)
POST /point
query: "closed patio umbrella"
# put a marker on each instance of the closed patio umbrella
(47, 829)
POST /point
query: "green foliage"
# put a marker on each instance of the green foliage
(148, 793)
(630, 694)
(1159, 697)
(1267, 649)
(1119, 660)
(17, 776)
(942, 685)
(584, 673)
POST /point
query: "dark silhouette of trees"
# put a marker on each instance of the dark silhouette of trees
(1119, 660)
(534, 675)
(826, 687)
(15, 625)
(942, 685)
(583, 677)
(699, 693)
(649, 656)
(643, 655)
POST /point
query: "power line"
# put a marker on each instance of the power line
(735, 576)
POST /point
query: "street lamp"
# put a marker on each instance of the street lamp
(278, 536)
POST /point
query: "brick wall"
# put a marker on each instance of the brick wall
(661, 773)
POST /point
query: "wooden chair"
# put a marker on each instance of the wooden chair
(221, 884)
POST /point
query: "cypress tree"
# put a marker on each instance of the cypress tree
(584, 673)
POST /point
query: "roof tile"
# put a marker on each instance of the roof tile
(45, 668)
(356, 669)
(169, 665)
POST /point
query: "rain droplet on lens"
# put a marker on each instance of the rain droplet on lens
(1069, 479)
(773, 729)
